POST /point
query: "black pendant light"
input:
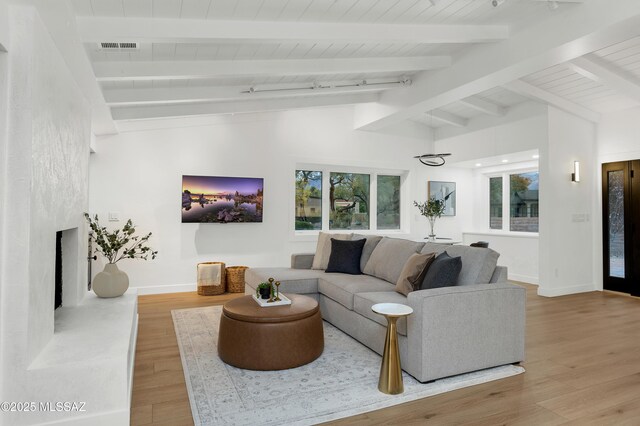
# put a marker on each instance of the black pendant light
(433, 160)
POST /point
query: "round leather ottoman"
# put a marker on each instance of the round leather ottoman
(273, 338)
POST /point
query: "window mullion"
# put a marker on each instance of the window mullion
(373, 201)
(506, 202)
(326, 205)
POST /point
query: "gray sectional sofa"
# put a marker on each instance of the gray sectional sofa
(476, 324)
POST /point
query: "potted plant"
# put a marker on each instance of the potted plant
(432, 209)
(264, 290)
(115, 246)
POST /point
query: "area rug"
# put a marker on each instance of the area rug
(342, 382)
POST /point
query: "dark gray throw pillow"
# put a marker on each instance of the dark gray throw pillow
(443, 272)
(345, 256)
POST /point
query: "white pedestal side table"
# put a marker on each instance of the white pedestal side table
(390, 371)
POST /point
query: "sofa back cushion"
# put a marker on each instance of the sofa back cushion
(478, 263)
(388, 258)
(369, 246)
(323, 249)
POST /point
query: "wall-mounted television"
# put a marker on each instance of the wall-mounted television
(221, 199)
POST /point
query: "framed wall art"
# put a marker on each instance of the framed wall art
(444, 191)
(221, 199)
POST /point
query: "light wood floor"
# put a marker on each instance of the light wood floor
(583, 368)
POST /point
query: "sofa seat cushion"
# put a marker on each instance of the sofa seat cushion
(389, 256)
(362, 303)
(342, 287)
(299, 281)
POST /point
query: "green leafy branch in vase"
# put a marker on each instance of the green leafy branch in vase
(121, 243)
(433, 208)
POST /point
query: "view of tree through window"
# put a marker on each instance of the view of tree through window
(349, 201)
(495, 203)
(523, 202)
(308, 200)
(388, 202)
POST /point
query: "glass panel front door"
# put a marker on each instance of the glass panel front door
(616, 223)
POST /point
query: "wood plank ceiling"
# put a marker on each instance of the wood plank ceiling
(198, 57)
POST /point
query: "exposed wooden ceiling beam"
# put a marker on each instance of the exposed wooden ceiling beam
(555, 40)
(483, 106)
(608, 75)
(175, 70)
(190, 94)
(533, 92)
(163, 30)
(448, 118)
(231, 107)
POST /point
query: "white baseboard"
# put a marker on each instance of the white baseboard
(162, 289)
(563, 291)
(523, 278)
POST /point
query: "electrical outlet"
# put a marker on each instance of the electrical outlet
(578, 217)
(114, 216)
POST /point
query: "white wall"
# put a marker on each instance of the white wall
(138, 174)
(519, 253)
(510, 137)
(4, 28)
(567, 208)
(47, 175)
(618, 140)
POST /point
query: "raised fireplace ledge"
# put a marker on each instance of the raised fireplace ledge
(89, 359)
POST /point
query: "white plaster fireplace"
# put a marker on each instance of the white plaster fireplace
(83, 351)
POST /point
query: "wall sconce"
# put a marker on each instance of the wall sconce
(575, 176)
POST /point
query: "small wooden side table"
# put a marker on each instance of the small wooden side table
(390, 371)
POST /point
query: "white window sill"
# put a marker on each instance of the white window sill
(508, 234)
(300, 236)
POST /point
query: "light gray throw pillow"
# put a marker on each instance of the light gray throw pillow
(323, 249)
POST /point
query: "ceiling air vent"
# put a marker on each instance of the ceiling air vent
(118, 46)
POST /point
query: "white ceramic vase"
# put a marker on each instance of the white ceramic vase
(111, 282)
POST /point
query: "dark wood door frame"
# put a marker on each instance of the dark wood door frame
(631, 211)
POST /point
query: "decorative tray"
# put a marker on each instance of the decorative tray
(265, 304)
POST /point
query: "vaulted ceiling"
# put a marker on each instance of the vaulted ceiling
(438, 63)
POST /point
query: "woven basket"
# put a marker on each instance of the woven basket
(235, 279)
(205, 289)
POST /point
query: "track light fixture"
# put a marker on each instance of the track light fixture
(433, 160)
(315, 85)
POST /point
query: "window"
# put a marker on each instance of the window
(495, 203)
(518, 201)
(354, 200)
(308, 200)
(388, 202)
(523, 190)
(349, 201)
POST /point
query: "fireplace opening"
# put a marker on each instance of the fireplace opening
(58, 279)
